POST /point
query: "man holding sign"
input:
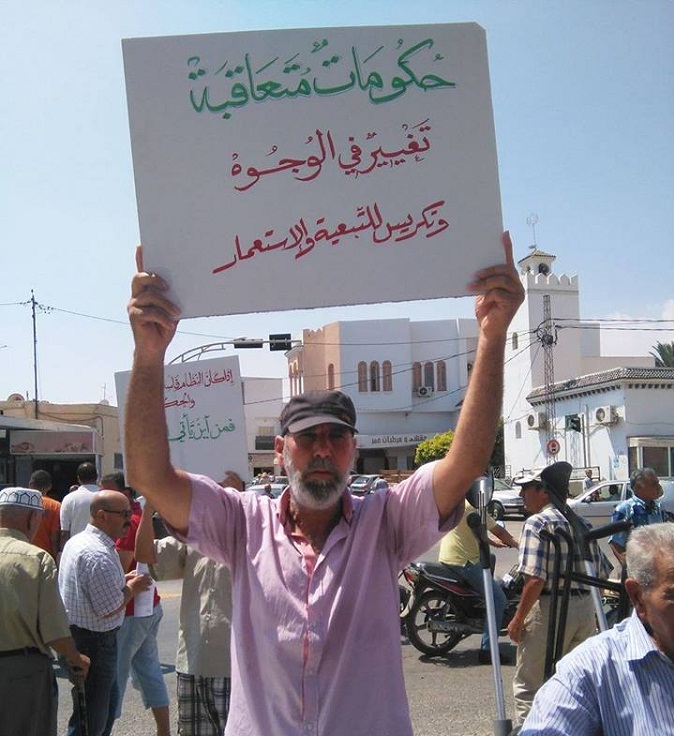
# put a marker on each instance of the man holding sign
(314, 572)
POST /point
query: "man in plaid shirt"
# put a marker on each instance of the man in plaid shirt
(529, 627)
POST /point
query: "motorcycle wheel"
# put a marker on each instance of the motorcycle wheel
(431, 605)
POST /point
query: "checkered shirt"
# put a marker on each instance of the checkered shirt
(535, 556)
(91, 580)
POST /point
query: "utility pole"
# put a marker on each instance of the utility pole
(33, 304)
(547, 334)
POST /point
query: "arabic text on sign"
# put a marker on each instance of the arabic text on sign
(302, 240)
(249, 82)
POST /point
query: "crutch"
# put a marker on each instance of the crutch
(479, 496)
(81, 705)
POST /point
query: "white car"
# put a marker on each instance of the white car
(505, 501)
(596, 505)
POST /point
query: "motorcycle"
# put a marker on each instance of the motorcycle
(439, 608)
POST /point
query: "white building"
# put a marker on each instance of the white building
(262, 404)
(624, 405)
(407, 380)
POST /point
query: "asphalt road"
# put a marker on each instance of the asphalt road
(448, 696)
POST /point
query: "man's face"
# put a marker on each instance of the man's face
(534, 497)
(318, 461)
(649, 489)
(655, 605)
(117, 517)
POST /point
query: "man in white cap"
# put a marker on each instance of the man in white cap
(33, 621)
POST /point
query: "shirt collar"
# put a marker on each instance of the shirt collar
(14, 533)
(284, 506)
(105, 538)
(639, 643)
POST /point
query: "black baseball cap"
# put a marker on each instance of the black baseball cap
(318, 407)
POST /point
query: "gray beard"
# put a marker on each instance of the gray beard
(316, 495)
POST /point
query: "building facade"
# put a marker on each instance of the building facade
(590, 409)
(65, 435)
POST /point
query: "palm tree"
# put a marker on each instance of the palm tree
(664, 355)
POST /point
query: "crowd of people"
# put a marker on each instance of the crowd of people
(299, 592)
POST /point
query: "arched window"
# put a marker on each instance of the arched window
(362, 377)
(515, 341)
(429, 375)
(331, 376)
(441, 375)
(387, 375)
(374, 376)
(518, 430)
(416, 376)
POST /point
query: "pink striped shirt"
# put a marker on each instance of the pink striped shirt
(316, 640)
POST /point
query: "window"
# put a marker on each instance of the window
(264, 439)
(515, 341)
(374, 376)
(331, 376)
(416, 376)
(441, 375)
(362, 376)
(387, 375)
(429, 375)
(518, 430)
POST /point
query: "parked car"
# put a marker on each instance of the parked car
(276, 489)
(597, 503)
(361, 485)
(505, 501)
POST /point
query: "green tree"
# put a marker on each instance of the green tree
(436, 448)
(664, 354)
(433, 448)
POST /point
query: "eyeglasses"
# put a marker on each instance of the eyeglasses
(126, 513)
(338, 439)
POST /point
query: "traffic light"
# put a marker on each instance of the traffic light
(573, 423)
(247, 342)
(280, 342)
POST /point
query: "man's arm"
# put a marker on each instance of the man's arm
(504, 535)
(530, 594)
(78, 663)
(148, 466)
(133, 585)
(145, 537)
(500, 294)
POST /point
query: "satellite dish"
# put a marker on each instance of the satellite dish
(15, 397)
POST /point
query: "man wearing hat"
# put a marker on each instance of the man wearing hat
(543, 495)
(33, 621)
(314, 572)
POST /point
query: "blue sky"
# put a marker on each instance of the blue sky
(583, 96)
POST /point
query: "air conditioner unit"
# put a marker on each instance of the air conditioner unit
(536, 420)
(424, 391)
(605, 415)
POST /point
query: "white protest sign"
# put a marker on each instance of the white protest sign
(203, 401)
(315, 167)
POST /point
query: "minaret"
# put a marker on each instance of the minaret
(525, 429)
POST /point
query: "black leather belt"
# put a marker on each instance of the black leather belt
(22, 652)
(575, 592)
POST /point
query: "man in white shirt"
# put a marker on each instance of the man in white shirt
(75, 506)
